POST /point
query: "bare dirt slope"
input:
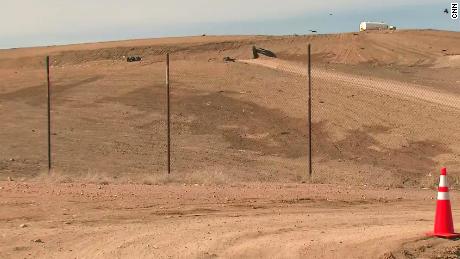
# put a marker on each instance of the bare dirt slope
(232, 123)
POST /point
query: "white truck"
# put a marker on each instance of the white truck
(366, 26)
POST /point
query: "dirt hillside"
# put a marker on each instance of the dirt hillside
(237, 121)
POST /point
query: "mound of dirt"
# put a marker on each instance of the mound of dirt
(425, 248)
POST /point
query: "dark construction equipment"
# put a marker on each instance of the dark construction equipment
(256, 51)
(133, 59)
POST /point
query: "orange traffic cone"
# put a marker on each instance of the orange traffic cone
(443, 223)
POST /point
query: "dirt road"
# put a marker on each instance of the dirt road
(80, 220)
(401, 89)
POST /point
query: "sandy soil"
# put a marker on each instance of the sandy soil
(385, 119)
(81, 220)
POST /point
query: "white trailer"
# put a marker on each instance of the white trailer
(365, 26)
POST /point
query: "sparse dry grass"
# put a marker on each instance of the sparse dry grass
(216, 177)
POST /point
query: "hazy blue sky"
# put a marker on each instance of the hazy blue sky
(49, 22)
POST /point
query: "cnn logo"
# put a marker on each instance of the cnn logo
(454, 11)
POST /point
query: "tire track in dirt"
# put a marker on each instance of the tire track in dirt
(396, 88)
(188, 221)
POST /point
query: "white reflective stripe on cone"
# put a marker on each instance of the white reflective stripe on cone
(443, 181)
(443, 196)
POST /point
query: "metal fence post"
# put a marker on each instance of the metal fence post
(168, 114)
(310, 169)
(48, 110)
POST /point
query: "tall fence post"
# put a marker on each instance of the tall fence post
(168, 114)
(310, 169)
(48, 110)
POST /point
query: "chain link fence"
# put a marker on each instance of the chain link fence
(232, 120)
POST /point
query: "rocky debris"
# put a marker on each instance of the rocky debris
(38, 240)
(389, 255)
(229, 59)
(133, 59)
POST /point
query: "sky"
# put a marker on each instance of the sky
(26, 23)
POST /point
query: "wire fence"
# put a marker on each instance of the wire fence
(379, 131)
(237, 120)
